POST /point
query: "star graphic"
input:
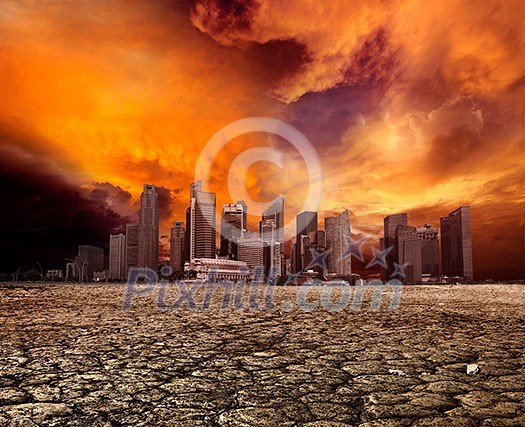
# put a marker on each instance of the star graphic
(292, 279)
(353, 248)
(379, 257)
(399, 270)
(318, 259)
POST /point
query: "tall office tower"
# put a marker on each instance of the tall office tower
(273, 262)
(177, 247)
(201, 224)
(194, 187)
(268, 230)
(456, 244)
(233, 226)
(293, 258)
(302, 253)
(305, 223)
(117, 256)
(149, 228)
(429, 251)
(276, 212)
(251, 251)
(337, 230)
(92, 258)
(315, 241)
(132, 246)
(390, 224)
(408, 249)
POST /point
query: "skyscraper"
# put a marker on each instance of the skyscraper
(177, 247)
(117, 256)
(233, 226)
(273, 261)
(276, 212)
(429, 251)
(337, 229)
(132, 246)
(148, 255)
(201, 223)
(251, 251)
(389, 241)
(408, 250)
(305, 223)
(456, 244)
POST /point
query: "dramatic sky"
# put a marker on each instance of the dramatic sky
(411, 106)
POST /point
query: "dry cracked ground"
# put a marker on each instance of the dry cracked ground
(71, 356)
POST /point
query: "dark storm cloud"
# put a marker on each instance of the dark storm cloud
(165, 201)
(44, 217)
(223, 17)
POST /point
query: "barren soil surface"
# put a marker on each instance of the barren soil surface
(71, 356)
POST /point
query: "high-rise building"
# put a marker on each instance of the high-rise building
(276, 212)
(149, 228)
(273, 261)
(429, 251)
(408, 250)
(132, 247)
(177, 247)
(117, 256)
(305, 223)
(389, 241)
(316, 242)
(456, 244)
(302, 257)
(89, 260)
(233, 226)
(251, 251)
(201, 225)
(337, 230)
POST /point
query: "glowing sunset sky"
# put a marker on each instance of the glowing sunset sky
(411, 106)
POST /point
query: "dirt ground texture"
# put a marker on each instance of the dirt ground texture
(70, 355)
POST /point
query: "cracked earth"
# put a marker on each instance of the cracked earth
(71, 356)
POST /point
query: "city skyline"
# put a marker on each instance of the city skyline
(418, 108)
(407, 253)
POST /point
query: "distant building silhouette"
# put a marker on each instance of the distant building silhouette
(456, 244)
(117, 256)
(177, 247)
(92, 258)
(148, 254)
(337, 230)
